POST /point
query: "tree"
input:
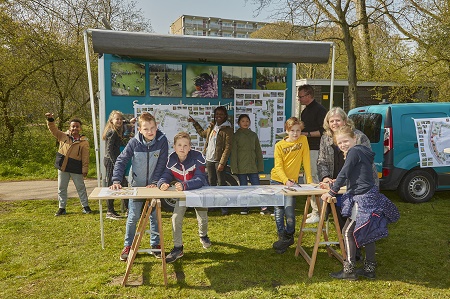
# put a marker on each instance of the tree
(42, 66)
(340, 13)
(426, 27)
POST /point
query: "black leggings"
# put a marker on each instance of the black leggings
(350, 244)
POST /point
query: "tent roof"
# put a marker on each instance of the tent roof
(184, 48)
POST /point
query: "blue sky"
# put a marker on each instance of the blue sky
(163, 13)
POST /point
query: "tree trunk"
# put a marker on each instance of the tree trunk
(10, 128)
(352, 78)
(366, 57)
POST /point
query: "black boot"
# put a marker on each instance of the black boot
(284, 241)
(368, 271)
(278, 243)
(348, 272)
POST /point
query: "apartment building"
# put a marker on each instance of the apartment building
(211, 26)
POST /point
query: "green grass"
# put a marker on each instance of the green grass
(43, 256)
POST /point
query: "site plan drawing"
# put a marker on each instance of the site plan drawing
(172, 119)
(125, 192)
(266, 111)
(433, 137)
(235, 196)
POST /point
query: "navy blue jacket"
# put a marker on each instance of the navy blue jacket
(375, 212)
(190, 172)
(357, 171)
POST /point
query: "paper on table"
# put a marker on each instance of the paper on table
(268, 190)
(126, 191)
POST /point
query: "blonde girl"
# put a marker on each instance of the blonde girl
(113, 135)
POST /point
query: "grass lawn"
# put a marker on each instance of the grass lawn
(43, 256)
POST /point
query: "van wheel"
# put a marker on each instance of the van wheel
(417, 186)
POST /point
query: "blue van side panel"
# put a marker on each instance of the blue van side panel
(404, 155)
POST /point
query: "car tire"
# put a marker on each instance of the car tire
(417, 186)
(168, 204)
(230, 180)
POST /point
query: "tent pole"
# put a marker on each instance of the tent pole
(333, 47)
(94, 129)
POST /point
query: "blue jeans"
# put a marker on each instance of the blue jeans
(288, 212)
(252, 177)
(134, 213)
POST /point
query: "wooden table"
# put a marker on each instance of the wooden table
(152, 200)
(152, 197)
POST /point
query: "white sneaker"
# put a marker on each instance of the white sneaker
(309, 215)
(313, 219)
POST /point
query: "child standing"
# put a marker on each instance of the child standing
(113, 135)
(217, 149)
(72, 161)
(148, 152)
(368, 210)
(289, 155)
(187, 168)
(246, 158)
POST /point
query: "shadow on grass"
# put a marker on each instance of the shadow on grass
(243, 268)
(409, 255)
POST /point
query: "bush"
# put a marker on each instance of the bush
(31, 154)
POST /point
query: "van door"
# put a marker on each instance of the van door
(371, 123)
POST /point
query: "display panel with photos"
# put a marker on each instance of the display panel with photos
(172, 119)
(127, 79)
(273, 78)
(166, 80)
(201, 81)
(235, 77)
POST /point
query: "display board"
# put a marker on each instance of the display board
(266, 110)
(172, 119)
(433, 137)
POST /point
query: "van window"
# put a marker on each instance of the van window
(369, 124)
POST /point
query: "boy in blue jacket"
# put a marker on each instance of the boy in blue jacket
(187, 168)
(148, 152)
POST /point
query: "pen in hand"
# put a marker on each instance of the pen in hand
(294, 183)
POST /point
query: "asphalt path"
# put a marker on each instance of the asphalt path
(28, 190)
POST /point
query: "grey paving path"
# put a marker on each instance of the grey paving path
(23, 190)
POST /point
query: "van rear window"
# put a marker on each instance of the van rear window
(369, 124)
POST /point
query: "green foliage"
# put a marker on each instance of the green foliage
(43, 256)
(31, 154)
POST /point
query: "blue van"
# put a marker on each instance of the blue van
(392, 133)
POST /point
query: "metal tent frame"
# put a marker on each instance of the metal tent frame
(185, 48)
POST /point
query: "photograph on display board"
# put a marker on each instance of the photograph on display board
(271, 78)
(235, 77)
(201, 81)
(127, 79)
(166, 80)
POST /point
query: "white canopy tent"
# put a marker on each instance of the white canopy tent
(200, 49)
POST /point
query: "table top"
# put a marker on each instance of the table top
(143, 192)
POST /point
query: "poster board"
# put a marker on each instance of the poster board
(433, 138)
(172, 119)
(266, 109)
